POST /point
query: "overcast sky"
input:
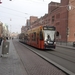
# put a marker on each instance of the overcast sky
(15, 13)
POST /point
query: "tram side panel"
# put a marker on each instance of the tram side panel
(35, 38)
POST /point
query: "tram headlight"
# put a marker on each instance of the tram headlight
(54, 43)
(46, 43)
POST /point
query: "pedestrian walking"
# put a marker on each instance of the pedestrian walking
(0, 40)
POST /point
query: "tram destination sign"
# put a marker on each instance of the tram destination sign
(48, 28)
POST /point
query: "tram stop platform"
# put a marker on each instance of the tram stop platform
(11, 64)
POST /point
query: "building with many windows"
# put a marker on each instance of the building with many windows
(58, 15)
(61, 15)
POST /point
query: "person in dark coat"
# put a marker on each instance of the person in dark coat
(0, 40)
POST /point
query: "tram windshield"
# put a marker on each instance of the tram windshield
(49, 33)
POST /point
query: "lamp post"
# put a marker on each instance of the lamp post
(10, 28)
(0, 2)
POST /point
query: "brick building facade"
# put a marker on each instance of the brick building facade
(60, 16)
(71, 21)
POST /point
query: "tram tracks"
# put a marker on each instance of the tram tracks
(62, 55)
(66, 51)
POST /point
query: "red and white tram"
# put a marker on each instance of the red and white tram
(42, 37)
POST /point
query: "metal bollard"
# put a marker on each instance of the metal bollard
(5, 48)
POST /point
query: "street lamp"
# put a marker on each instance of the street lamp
(0, 2)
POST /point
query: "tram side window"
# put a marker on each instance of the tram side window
(41, 35)
(34, 36)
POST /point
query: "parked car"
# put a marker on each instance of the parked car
(74, 44)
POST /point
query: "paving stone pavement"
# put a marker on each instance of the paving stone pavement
(11, 63)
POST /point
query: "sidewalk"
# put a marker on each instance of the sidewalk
(11, 65)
